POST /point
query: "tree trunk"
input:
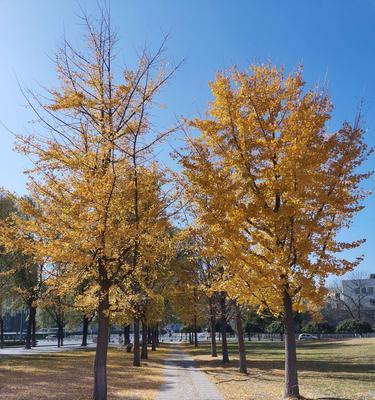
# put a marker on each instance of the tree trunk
(224, 344)
(28, 332)
(85, 330)
(33, 328)
(195, 332)
(291, 379)
(149, 335)
(213, 330)
(157, 336)
(190, 338)
(61, 334)
(126, 334)
(241, 341)
(100, 369)
(1, 332)
(144, 353)
(58, 336)
(136, 355)
(153, 339)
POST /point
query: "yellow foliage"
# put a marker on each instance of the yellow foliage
(272, 187)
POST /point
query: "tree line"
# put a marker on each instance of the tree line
(251, 218)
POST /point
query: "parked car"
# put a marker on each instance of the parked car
(203, 336)
(306, 336)
(51, 337)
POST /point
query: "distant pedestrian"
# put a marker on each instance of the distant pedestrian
(120, 341)
(129, 347)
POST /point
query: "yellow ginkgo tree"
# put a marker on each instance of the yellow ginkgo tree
(99, 205)
(273, 186)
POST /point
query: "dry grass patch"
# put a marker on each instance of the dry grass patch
(69, 376)
(334, 370)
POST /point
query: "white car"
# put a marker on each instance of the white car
(306, 336)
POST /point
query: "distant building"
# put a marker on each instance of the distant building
(354, 299)
(362, 290)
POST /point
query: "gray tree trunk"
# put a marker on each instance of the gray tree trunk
(126, 334)
(136, 355)
(224, 343)
(241, 341)
(144, 352)
(29, 326)
(1, 332)
(213, 330)
(153, 339)
(33, 328)
(85, 330)
(195, 332)
(291, 379)
(100, 368)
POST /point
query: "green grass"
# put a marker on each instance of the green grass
(327, 370)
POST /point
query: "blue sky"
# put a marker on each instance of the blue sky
(334, 40)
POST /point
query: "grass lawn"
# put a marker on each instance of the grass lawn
(69, 376)
(332, 370)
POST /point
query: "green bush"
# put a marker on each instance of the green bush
(253, 328)
(275, 327)
(313, 327)
(353, 326)
(229, 329)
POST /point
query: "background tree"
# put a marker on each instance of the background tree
(57, 305)
(354, 326)
(28, 285)
(256, 322)
(186, 293)
(276, 327)
(240, 338)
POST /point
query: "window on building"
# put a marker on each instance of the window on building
(372, 302)
(357, 290)
(371, 290)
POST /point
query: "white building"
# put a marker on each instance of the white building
(361, 290)
(357, 298)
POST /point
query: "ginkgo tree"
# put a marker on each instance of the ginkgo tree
(8, 263)
(273, 187)
(99, 204)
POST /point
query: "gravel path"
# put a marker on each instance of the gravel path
(185, 381)
(41, 348)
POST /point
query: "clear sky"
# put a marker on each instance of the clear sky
(334, 40)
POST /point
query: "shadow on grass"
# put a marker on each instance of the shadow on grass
(67, 376)
(273, 348)
(325, 398)
(338, 370)
(313, 358)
